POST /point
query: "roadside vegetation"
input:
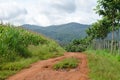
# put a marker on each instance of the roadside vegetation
(103, 65)
(104, 55)
(19, 48)
(77, 45)
(67, 63)
(104, 58)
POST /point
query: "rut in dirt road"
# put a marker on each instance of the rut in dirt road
(43, 70)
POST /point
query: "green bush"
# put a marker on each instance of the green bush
(67, 63)
(77, 46)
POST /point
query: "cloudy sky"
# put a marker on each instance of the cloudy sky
(47, 12)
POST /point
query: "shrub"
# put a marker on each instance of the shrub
(77, 46)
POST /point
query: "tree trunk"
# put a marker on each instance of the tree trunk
(112, 47)
(112, 42)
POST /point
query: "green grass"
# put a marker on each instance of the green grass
(5, 73)
(67, 63)
(10, 68)
(103, 65)
(46, 51)
(19, 48)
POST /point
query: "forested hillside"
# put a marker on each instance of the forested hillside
(61, 33)
(66, 33)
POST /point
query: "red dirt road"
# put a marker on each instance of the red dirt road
(42, 70)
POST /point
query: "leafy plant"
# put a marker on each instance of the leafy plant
(77, 45)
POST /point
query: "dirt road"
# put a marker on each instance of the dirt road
(43, 70)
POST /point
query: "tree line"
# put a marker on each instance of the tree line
(109, 10)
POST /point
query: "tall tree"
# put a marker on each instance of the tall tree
(109, 9)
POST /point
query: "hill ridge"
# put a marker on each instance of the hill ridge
(63, 33)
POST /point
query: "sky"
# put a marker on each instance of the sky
(48, 12)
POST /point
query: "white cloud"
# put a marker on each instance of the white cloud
(47, 12)
(8, 11)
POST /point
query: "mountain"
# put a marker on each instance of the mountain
(61, 33)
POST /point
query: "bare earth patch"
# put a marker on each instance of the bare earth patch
(43, 70)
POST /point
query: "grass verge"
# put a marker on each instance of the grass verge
(10, 68)
(103, 65)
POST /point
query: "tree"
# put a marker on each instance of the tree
(100, 29)
(111, 10)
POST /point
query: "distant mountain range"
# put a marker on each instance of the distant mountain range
(61, 33)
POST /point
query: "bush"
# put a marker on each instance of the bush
(77, 46)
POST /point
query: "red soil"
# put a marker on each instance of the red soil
(43, 70)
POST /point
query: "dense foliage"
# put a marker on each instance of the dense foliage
(99, 30)
(14, 42)
(109, 10)
(78, 45)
